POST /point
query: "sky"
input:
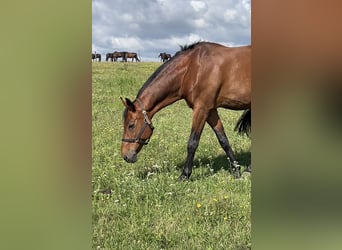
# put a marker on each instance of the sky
(149, 27)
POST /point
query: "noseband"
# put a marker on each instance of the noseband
(147, 122)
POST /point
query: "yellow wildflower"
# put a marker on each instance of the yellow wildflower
(199, 205)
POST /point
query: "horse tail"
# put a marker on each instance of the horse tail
(243, 125)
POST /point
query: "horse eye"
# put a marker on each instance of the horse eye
(131, 126)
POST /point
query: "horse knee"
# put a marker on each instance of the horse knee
(192, 145)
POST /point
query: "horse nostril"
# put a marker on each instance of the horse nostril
(126, 158)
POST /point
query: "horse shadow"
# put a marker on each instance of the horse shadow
(220, 162)
(212, 165)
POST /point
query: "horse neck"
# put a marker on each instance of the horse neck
(164, 89)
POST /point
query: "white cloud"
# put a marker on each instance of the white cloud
(126, 43)
(246, 4)
(198, 5)
(230, 15)
(126, 17)
(200, 23)
(186, 39)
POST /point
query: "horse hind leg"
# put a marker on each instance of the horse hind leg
(215, 123)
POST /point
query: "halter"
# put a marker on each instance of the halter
(147, 121)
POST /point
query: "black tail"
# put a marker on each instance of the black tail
(244, 123)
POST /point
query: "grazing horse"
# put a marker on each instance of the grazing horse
(132, 55)
(164, 57)
(208, 76)
(96, 56)
(117, 55)
(109, 56)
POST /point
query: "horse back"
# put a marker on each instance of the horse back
(220, 76)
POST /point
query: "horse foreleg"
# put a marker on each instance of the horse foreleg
(198, 121)
(216, 124)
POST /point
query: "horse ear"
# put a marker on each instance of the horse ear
(128, 104)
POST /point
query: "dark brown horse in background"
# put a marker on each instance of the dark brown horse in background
(124, 55)
(117, 55)
(132, 55)
(207, 76)
(110, 56)
(95, 57)
(164, 57)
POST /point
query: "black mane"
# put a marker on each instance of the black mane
(189, 47)
(164, 65)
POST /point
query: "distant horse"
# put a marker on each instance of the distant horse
(208, 76)
(96, 56)
(109, 56)
(117, 55)
(132, 55)
(164, 57)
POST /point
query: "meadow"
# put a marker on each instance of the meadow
(142, 205)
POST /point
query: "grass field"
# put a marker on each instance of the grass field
(147, 207)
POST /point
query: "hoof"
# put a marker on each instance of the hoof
(183, 177)
(249, 168)
(236, 173)
(236, 170)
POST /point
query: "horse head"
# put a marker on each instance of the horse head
(138, 129)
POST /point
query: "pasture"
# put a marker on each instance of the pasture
(142, 205)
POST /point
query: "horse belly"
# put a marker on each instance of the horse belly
(235, 96)
(233, 103)
(235, 92)
(237, 99)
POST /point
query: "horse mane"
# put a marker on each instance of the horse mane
(183, 48)
(189, 47)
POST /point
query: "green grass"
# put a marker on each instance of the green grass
(148, 208)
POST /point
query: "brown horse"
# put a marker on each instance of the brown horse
(132, 55)
(109, 56)
(117, 55)
(164, 56)
(208, 76)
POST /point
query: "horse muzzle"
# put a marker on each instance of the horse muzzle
(130, 157)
